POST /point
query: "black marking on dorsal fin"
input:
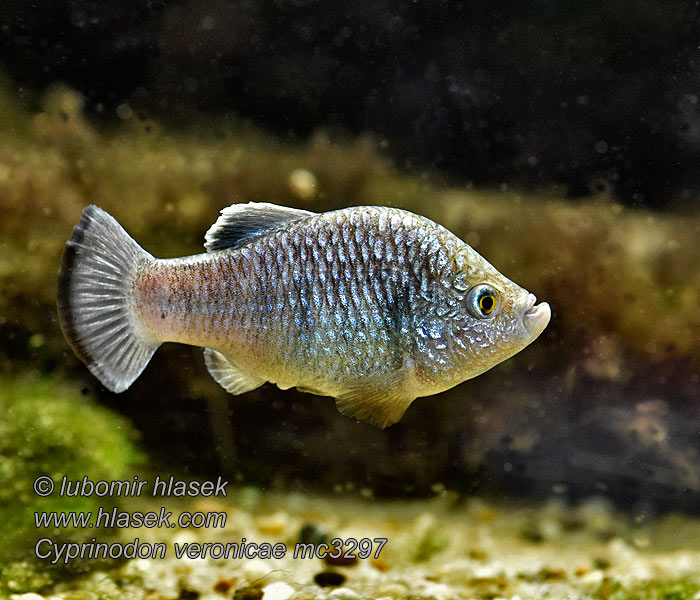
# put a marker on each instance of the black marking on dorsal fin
(241, 222)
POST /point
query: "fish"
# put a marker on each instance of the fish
(373, 306)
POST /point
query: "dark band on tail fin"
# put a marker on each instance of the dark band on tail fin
(95, 301)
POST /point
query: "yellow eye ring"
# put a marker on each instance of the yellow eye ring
(487, 303)
(483, 301)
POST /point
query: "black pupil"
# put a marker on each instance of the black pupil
(486, 303)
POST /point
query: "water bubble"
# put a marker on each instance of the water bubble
(601, 147)
(303, 183)
(124, 111)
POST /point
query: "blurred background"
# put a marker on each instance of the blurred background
(562, 141)
(602, 93)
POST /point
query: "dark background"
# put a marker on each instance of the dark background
(601, 94)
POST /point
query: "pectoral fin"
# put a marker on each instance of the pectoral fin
(228, 375)
(378, 400)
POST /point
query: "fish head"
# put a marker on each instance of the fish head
(495, 318)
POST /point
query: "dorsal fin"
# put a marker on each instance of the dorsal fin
(241, 222)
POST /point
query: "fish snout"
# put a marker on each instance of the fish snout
(535, 316)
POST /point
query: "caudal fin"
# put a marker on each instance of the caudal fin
(95, 307)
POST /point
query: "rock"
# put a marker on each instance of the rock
(343, 594)
(277, 591)
(329, 579)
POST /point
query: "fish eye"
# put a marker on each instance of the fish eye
(482, 301)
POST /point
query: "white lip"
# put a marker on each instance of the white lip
(529, 305)
(535, 318)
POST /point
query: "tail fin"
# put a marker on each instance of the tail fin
(94, 300)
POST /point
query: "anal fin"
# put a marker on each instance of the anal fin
(376, 400)
(228, 375)
(312, 390)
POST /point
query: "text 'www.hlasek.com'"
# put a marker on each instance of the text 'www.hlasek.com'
(58, 550)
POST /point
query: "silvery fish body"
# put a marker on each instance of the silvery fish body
(374, 306)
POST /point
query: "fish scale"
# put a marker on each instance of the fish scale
(374, 306)
(353, 309)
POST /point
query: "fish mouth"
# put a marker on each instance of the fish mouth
(535, 316)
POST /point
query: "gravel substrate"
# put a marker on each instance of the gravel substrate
(439, 548)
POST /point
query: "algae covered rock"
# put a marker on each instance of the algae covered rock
(52, 430)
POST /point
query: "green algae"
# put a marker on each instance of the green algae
(430, 543)
(24, 576)
(681, 589)
(52, 430)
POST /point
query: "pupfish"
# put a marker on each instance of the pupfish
(373, 306)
